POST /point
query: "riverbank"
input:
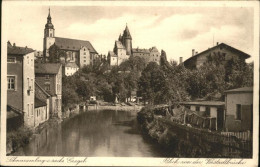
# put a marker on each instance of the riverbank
(181, 140)
(17, 139)
(134, 108)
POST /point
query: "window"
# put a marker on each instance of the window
(238, 112)
(28, 83)
(197, 108)
(47, 77)
(10, 82)
(11, 60)
(28, 108)
(84, 53)
(32, 109)
(47, 87)
(50, 34)
(207, 112)
(85, 61)
(85, 57)
(28, 60)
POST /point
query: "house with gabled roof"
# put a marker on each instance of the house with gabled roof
(20, 81)
(49, 77)
(81, 52)
(223, 51)
(42, 104)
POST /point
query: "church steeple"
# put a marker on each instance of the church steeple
(49, 24)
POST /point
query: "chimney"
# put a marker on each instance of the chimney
(193, 52)
(14, 44)
(217, 43)
(180, 62)
(196, 52)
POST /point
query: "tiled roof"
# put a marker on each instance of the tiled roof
(71, 64)
(206, 103)
(119, 45)
(16, 50)
(73, 44)
(47, 68)
(38, 103)
(244, 89)
(245, 55)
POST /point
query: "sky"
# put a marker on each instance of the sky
(176, 30)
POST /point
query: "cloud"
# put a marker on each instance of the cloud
(177, 30)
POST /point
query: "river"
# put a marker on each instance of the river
(111, 133)
(94, 134)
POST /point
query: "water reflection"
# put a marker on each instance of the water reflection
(97, 133)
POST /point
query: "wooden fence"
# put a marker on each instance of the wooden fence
(247, 136)
(210, 136)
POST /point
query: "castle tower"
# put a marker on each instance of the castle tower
(48, 39)
(127, 41)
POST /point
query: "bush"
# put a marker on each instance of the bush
(19, 138)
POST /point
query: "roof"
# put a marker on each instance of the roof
(47, 68)
(16, 50)
(71, 64)
(205, 103)
(38, 103)
(245, 55)
(153, 49)
(127, 33)
(137, 50)
(73, 44)
(112, 54)
(37, 85)
(119, 45)
(243, 89)
(13, 112)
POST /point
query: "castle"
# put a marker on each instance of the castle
(78, 52)
(123, 50)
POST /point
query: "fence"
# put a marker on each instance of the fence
(247, 136)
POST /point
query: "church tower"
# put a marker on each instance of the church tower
(127, 41)
(48, 39)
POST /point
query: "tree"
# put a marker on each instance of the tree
(56, 54)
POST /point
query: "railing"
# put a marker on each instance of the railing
(247, 136)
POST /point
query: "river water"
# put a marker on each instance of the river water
(94, 134)
(110, 133)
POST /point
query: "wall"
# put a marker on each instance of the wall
(28, 96)
(47, 42)
(121, 54)
(113, 61)
(40, 115)
(58, 102)
(70, 71)
(42, 81)
(15, 97)
(232, 99)
(84, 57)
